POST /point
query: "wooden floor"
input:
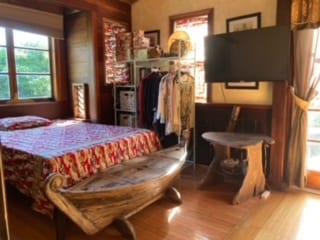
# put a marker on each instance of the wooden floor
(204, 215)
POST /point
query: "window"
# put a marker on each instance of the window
(313, 141)
(4, 69)
(198, 25)
(25, 66)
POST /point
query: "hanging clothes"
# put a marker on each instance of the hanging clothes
(176, 102)
(148, 99)
(168, 110)
(166, 104)
(187, 101)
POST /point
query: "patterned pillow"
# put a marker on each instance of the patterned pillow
(23, 122)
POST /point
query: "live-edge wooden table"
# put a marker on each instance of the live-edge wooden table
(254, 181)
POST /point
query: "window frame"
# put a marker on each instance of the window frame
(13, 75)
(209, 12)
(313, 173)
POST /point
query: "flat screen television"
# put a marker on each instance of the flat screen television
(253, 55)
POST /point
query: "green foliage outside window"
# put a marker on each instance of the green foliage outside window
(4, 80)
(34, 87)
(32, 61)
(4, 87)
(32, 66)
(3, 60)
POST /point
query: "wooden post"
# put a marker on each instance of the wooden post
(4, 223)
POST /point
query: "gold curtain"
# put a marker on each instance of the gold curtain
(305, 17)
(305, 14)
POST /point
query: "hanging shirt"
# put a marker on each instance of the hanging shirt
(168, 110)
(187, 96)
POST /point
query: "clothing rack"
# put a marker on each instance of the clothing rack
(177, 88)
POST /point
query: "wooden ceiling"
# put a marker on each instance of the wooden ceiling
(51, 6)
(128, 1)
(36, 4)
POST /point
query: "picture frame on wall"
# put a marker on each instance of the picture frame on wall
(154, 36)
(245, 22)
(242, 23)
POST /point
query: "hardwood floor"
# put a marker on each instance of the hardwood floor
(204, 215)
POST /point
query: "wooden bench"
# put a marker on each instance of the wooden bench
(119, 192)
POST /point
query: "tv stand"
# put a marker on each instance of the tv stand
(254, 181)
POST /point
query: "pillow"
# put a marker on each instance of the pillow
(23, 122)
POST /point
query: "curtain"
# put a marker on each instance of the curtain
(31, 20)
(303, 91)
(305, 14)
(305, 17)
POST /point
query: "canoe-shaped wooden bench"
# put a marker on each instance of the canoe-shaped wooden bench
(116, 194)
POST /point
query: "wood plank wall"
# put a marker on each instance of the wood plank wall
(280, 113)
(273, 120)
(102, 94)
(215, 117)
(101, 101)
(51, 110)
(80, 55)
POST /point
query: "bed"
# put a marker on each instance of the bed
(47, 160)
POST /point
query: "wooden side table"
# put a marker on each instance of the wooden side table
(254, 180)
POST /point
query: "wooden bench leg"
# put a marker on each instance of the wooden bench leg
(173, 194)
(61, 223)
(125, 228)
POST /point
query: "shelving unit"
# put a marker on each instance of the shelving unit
(126, 105)
(126, 97)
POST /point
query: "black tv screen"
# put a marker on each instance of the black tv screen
(254, 55)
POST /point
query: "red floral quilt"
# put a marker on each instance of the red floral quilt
(72, 148)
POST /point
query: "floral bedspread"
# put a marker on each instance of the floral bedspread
(72, 148)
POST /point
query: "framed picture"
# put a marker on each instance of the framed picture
(245, 22)
(242, 85)
(154, 37)
(241, 23)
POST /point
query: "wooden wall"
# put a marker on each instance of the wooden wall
(272, 120)
(51, 110)
(101, 102)
(215, 117)
(80, 55)
(84, 45)
(280, 113)
(100, 94)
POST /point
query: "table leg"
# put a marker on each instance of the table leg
(254, 182)
(212, 176)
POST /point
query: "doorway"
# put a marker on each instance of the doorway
(313, 140)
